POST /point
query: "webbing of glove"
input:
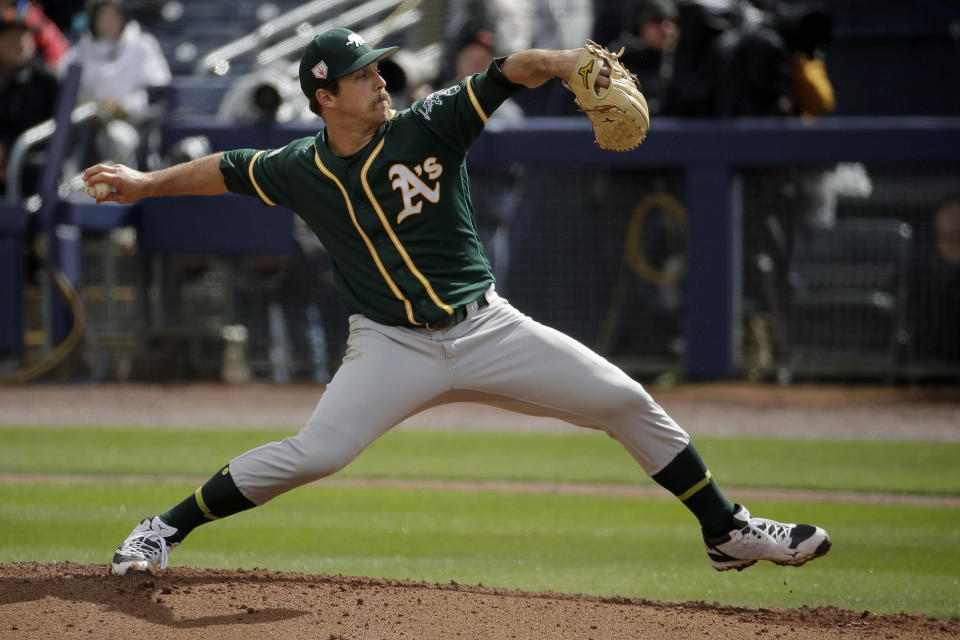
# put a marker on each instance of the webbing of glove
(618, 113)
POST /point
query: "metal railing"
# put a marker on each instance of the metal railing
(404, 14)
(251, 41)
(86, 112)
(295, 43)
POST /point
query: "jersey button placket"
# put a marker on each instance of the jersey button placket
(422, 304)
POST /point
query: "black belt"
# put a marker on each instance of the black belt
(459, 314)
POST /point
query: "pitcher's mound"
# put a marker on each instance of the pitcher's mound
(67, 600)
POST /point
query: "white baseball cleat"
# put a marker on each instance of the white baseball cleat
(145, 549)
(755, 539)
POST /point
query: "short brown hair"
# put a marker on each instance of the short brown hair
(333, 88)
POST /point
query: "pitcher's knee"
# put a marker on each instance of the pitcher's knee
(316, 458)
(266, 472)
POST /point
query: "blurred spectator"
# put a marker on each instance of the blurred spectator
(935, 285)
(755, 73)
(474, 53)
(28, 88)
(805, 29)
(561, 24)
(649, 41)
(946, 221)
(524, 24)
(119, 61)
(49, 40)
(735, 58)
(266, 95)
(475, 50)
(729, 62)
(696, 70)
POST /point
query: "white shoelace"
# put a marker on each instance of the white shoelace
(147, 544)
(776, 530)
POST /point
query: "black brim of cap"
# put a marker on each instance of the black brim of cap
(369, 58)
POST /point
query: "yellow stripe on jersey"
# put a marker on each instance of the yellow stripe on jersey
(396, 241)
(473, 99)
(198, 494)
(692, 490)
(373, 252)
(253, 180)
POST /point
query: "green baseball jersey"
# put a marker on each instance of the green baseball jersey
(396, 217)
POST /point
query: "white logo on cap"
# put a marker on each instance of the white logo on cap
(355, 40)
(319, 70)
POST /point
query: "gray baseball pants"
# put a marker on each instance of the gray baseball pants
(496, 356)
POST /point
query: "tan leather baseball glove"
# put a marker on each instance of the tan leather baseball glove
(619, 112)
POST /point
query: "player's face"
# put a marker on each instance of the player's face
(363, 94)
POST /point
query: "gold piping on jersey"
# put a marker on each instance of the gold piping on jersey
(473, 99)
(396, 241)
(692, 490)
(260, 192)
(373, 252)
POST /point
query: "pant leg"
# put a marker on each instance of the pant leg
(509, 356)
(388, 373)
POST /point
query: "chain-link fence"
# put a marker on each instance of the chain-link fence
(842, 277)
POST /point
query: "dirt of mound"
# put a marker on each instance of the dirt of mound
(82, 601)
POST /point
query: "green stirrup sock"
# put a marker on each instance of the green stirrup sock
(687, 477)
(218, 498)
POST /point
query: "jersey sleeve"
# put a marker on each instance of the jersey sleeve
(259, 173)
(457, 114)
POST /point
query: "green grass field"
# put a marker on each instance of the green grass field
(885, 558)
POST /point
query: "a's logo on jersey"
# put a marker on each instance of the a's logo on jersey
(411, 186)
(355, 40)
(319, 70)
(436, 98)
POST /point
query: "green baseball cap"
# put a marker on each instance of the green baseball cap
(333, 54)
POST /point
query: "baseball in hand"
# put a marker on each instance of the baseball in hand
(98, 190)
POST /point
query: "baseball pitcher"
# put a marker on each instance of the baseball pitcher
(388, 194)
